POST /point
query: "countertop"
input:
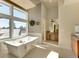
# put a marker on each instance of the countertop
(76, 35)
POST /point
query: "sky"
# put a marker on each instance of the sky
(5, 22)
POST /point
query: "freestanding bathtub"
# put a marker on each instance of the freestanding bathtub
(21, 47)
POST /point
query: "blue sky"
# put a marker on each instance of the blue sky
(5, 23)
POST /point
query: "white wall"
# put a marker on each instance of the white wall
(35, 14)
(68, 2)
(38, 14)
(52, 13)
(43, 20)
(68, 17)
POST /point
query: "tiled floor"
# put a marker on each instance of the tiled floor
(52, 42)
(41, 51)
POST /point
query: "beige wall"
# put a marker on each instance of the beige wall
(68, 17)
(35, 14)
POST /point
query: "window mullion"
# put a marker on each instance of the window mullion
(11, 22)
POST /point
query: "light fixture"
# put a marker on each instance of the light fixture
(52, 20)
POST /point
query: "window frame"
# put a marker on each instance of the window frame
(13, 18)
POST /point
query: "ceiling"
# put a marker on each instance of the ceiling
(50, 3)
(27, 4)
(36, 1)
(68, 2)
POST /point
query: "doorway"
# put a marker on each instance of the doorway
(52, 33)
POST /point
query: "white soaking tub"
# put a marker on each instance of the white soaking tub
(20, 47)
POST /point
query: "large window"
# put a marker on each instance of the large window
(4, 28)
(13, 23)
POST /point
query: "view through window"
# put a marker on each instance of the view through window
(20, 29)
(4, 28)
(18, 13)
(16, 24)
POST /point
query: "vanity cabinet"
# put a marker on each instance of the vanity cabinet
(75, 45)
(52, 36)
